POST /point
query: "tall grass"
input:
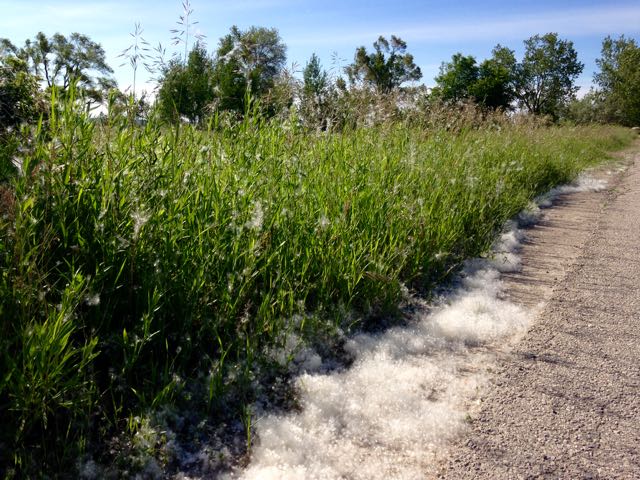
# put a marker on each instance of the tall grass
(136, 263)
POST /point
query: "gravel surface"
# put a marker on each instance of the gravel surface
(565, 402)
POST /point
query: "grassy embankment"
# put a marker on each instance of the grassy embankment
(142, 267)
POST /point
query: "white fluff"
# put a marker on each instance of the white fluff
(583, 183)
(409, 389)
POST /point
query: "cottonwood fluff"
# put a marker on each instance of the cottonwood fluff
(408, 391)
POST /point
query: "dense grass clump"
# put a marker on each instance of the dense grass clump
(142, 267)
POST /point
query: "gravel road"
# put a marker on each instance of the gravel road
(565, 403)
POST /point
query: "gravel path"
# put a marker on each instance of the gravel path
(566, 402)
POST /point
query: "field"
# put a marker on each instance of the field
(145, 268)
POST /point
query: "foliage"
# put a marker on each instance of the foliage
(457, 78)
(316, 81)
(279, 100)
(386, 68)
(586, 110)
(489, 84)
(63, 61)
(142, 267)
(21, 104)
(315, 101)
(187, 90)
(496, 77)
(619, 80)
(545, 79)
(249, 60)
(20, 98)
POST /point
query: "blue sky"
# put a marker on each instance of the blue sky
(434, 30)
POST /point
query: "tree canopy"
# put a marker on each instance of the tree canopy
(247, 60)
(61, 61)
(619, 80)
(315, 78)
(489, 84)
(19, 94)
(386, 68)
(187, 89)
(457, 78)
(496, 78)
(545, 79)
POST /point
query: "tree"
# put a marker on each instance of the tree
(545, 79)
(386, 68)
(457, 78)
(20, 99)
(62, 61)
(586, 110)
(247, 60)
(619, 80)
(315, 94)
(489, 84)
(186, 90)
(21, 103)
(496, 76)
(314, 77)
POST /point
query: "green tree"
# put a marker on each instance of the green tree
(316, 90)
(494, 87)
(386, 68)
(61, 61)
(247, 60)
(586, 110)
(489, 84)
(21, 102)
(457, 78)
(619, 80)
(186, 90)
(314, 77)
(545, 79)
(20, 98)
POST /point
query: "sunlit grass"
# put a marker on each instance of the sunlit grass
(136, 262)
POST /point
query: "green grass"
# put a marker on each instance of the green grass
(136, 263)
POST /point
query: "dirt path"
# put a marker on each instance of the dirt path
(566, 402)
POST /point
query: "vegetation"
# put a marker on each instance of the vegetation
(385, 69)
(619, 81)
(186, 90)
(156, 265)
(317, 95)
(142, 268)
(545, 81)
(60, 61)
(248, 61)
(457, 78)
(21, 102)
(495, 86)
